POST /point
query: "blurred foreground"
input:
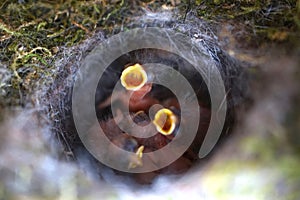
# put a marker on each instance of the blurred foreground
(260, 160)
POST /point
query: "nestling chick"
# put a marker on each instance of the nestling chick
(165, 119)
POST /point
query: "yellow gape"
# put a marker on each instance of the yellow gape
(134, 77)
(137, 159)
(165, 121)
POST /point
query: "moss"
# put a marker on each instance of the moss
(31, 33)
(262, 175)
(267, 20)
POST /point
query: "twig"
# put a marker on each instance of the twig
(81, 26)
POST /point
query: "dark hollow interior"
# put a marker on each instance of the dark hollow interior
(105, 86)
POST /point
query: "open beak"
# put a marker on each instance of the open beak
(165, 121)
(137, 159)
(134, 77)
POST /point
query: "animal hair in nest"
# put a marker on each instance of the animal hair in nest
(60, 95)
(49, 128)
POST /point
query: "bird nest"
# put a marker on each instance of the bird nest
(147, 103)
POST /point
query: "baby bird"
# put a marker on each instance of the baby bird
(134, 80)
(143, 110)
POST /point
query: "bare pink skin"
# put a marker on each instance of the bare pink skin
(139, 99)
